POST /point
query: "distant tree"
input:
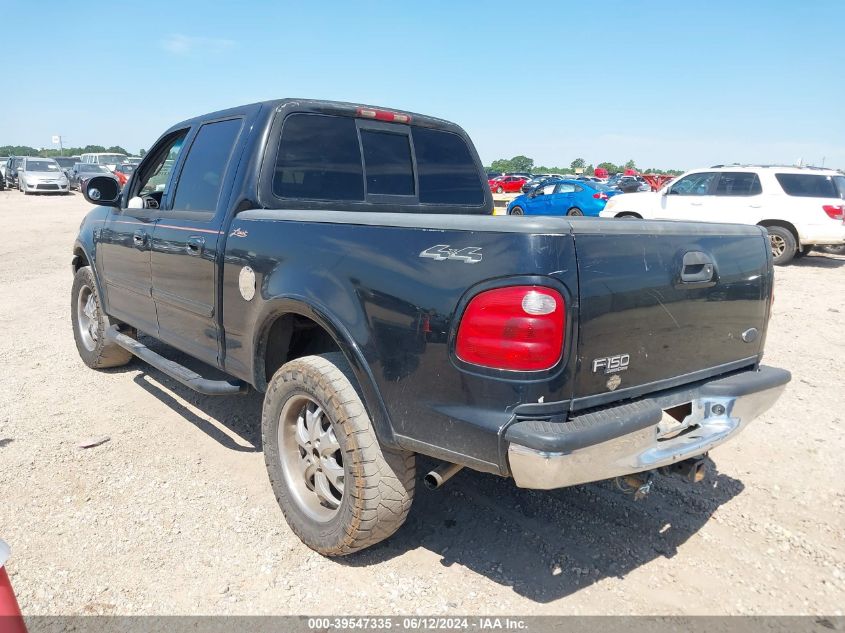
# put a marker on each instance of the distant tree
(501, 165)
(589, 170)
(610, 167)
(117, 149)
(517, 163)
(578, 163)
(522, 163)
(142, 153)
(631, 165)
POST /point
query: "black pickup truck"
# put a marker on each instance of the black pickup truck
(344, 260)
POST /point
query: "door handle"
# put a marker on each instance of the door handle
(139, 238)
(697, 267)
(195, 245)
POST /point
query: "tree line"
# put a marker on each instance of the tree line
(25, 150)
(524, 164)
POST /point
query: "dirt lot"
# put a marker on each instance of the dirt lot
(175, 515)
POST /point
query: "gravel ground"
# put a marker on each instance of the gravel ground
(175, 515)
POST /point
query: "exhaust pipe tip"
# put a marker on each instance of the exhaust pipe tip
(440, 475)
(432, 481)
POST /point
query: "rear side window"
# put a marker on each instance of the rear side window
(387, 158)
(319, 159)
(738, 183)
(446, 171)
(809, 185)
(202, 176)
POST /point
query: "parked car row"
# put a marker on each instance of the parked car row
(33, 174)
(801, 208)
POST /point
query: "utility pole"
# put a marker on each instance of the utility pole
(57, 138)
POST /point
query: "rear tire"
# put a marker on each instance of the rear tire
(90, 324)
(499, 190)
(783, 245)
(338, 489)
(575, 211)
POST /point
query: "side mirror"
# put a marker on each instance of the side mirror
(102, 190)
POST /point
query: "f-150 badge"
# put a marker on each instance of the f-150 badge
(611, 364)
(441, 252)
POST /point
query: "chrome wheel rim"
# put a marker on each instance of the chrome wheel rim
(778, 245)
(87, 320)
(311, 458)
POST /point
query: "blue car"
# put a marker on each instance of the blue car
(563, 197)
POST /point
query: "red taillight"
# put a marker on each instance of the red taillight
(835, 211)
(383, 115)
(519, 328)
(600, 196)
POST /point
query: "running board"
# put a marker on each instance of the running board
(176, 371)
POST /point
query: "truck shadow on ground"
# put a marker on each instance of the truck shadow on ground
(239, 415)
(550, 544)
(543, 544)
(818, 260)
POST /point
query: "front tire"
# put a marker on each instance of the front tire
(499, 190)
(783, 245)
(516, 211)
(339, 490)
(90, 324)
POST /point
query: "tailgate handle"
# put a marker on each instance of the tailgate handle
(697, 267)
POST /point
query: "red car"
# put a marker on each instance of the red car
(123, 172)
(508, 184)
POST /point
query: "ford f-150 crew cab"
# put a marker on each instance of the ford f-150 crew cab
(344, 260)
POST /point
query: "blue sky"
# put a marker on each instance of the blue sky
(672, 85)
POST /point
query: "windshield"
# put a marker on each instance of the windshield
(600, 187)
(110, 159)
(126, 169)
(65, 162)
(89, 167)
(840, 185)
(41, 165)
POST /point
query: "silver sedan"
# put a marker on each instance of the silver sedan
(41, 175)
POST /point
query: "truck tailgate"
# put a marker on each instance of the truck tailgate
(664, 303)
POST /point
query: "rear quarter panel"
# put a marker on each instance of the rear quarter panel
(396, 311)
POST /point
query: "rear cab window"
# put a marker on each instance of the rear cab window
(326, 157)
(812, 185)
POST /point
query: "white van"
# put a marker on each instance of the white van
(109, 161)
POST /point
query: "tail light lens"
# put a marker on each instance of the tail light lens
(600, 196)
(835, 211)
(518, 328)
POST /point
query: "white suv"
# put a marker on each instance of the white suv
(800, 207)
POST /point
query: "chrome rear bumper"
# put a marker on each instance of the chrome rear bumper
(639, 436)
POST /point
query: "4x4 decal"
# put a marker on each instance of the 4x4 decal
(441, 252)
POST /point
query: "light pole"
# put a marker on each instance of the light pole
(57, 138)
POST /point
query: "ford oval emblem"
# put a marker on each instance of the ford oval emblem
(94, 194)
